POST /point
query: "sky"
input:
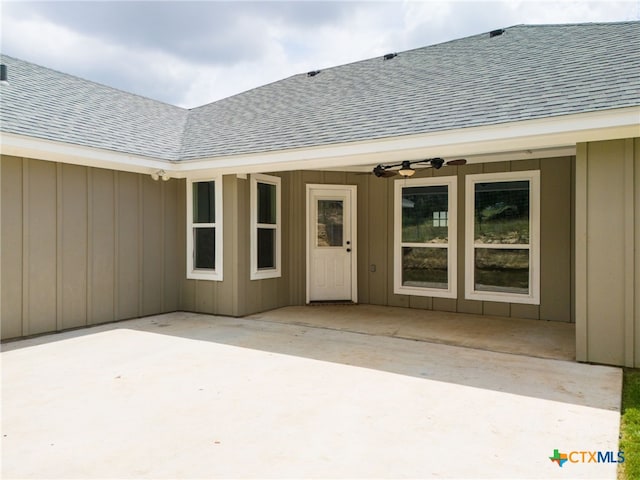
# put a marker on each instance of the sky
(193, 53)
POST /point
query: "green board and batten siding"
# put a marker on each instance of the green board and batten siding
(82, 246)
(120, 249)
(607, 294)
(239, 295)
(236, 295)
(219, 297)
(556, 233)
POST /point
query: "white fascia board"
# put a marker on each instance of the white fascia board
(42, 149)
(560, 133)
(477, 144)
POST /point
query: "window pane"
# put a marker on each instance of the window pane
(330, 218)
(425, 214)
(266, 203)
(502, 212)
(204, 205)
(425, 267)
(266, 248)
(205, 247)
(502, 270)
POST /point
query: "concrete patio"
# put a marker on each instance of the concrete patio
(294, 394)
(497, 334)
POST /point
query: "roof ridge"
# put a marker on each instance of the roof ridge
(246, 91)
(574, 24)
(183, 135)
(333, 67)
(399, 52)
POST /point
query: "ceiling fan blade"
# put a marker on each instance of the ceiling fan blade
(380, 174)
(459, 161)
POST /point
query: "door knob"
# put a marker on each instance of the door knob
(348, 249)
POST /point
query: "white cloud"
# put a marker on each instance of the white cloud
(554, 11)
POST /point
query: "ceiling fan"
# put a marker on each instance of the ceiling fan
(406, 170)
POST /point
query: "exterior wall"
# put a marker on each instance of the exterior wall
(238, 295)
(267, 294)
(607, 253)
(206, 296)
(82, 246)
(556, 252)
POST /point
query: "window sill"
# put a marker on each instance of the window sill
(502, 297)
(425, 292)
(202, 275)
(262, 275)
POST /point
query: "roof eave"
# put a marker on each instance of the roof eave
(50, 150)
(552, 135)
(479, 144)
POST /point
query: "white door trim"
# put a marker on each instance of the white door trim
(353, 189)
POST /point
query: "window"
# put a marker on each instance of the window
(204, 229)
(265, 227)
(425, 237)
(502, 237)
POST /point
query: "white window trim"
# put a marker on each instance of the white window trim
(272, 272)
(452, 254)
(533, 176)
(199, 273)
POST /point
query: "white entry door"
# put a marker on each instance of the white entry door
(331, 242)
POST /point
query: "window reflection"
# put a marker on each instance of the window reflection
(330, 223)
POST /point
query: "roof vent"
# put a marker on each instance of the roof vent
(389, 56)
(313, 73)
(4, 77)
(496, 33)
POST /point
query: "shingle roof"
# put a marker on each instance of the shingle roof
(44, 103)
(528, 72)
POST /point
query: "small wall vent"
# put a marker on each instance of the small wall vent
(496, 33)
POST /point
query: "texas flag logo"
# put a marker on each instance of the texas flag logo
(558, 457)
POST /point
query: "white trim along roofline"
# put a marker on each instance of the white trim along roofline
(42, 149)
(550, 136)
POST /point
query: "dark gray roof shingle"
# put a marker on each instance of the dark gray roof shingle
(528, 72)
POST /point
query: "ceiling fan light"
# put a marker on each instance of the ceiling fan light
(406, 170)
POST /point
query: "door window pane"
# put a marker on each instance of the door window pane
(266, 248)
(502, 270)
(205, 247)
(425, 215)
(330, 223)
(425, 267)
(204, 204)
(266, 203)
(502, 212)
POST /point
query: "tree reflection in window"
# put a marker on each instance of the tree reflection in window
(330, 223)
